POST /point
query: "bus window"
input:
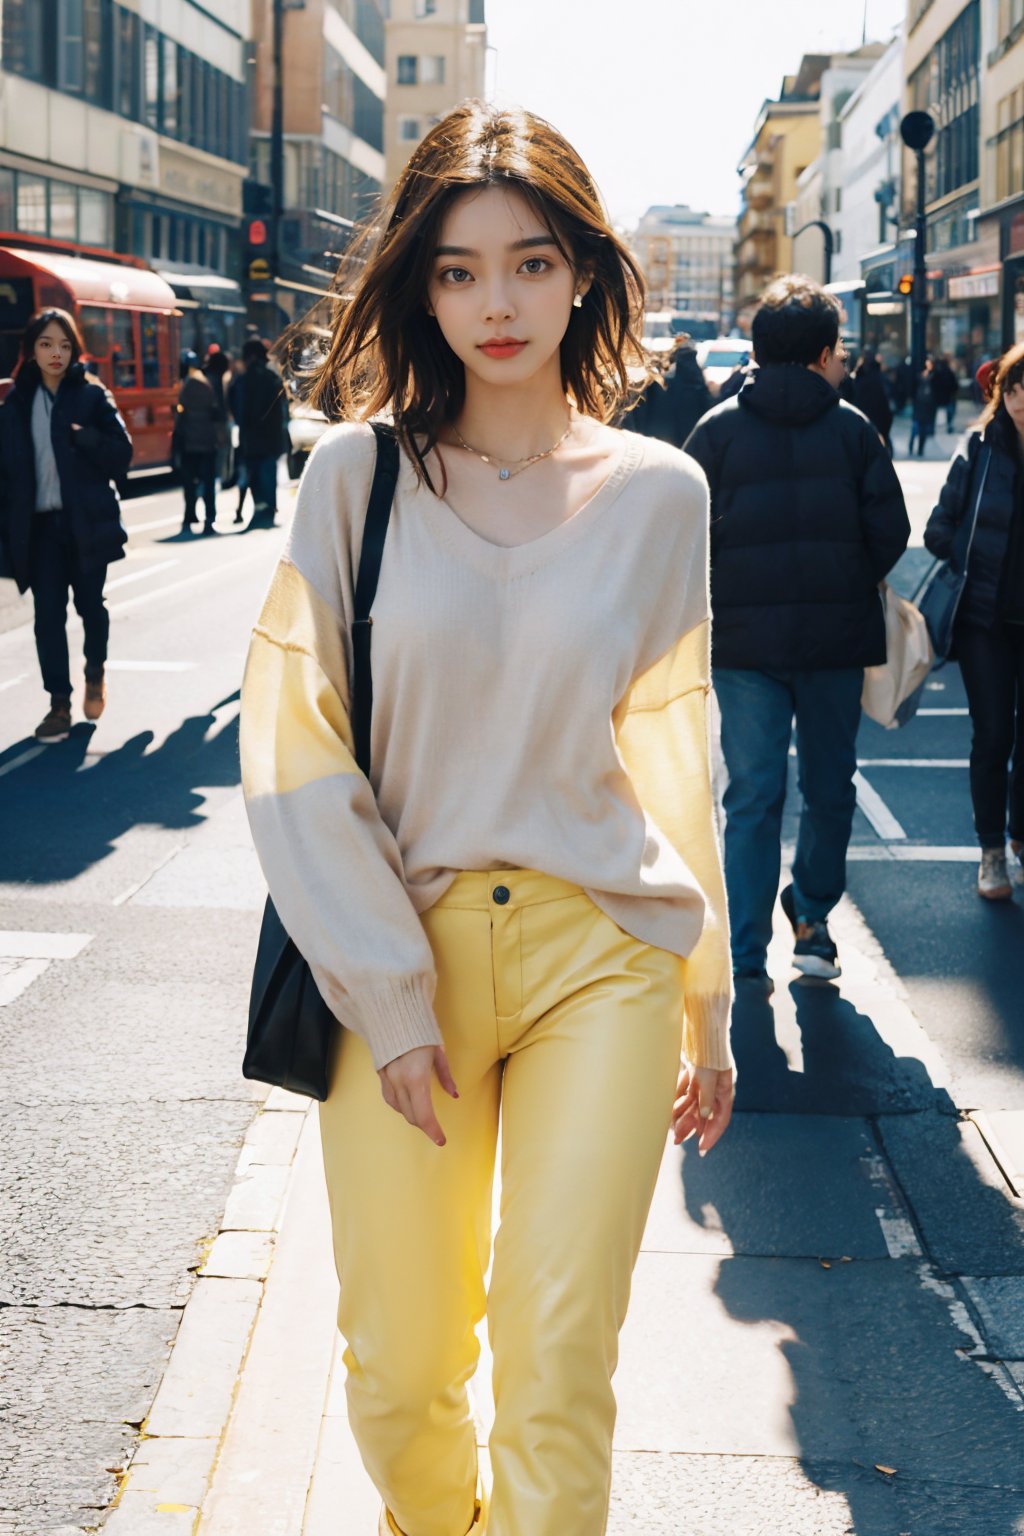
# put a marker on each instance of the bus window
(16, 308)
(122, 349)
(95, 324)
(150, 351)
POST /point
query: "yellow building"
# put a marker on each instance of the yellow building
(435, 58)
(784, 144)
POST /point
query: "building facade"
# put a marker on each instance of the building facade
(124, 126)
(822, 187)
(436, 53)
(333, 87)
(784, 143)
(687, 261)
(1001, 217)
(943, 69)
(867, 221)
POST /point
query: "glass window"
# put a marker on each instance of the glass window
(32, 204)
(122, 349)
(98, 42)
(432, 69)
(63, 211)
(170, 73)
(426, 8)
(149, 333)
(198, 134)
(27, 28)
(183, 71)
(7, 215)
(94, 210)
(151, 77)
(155, 251)
(407, 72)
(126, 62)
(408, 129)
(95, 324)
(71, 58)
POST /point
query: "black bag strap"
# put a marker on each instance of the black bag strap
(963, 541)
(378, 514)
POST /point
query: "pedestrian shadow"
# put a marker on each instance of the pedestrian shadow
(877, 1336)
(65, 815)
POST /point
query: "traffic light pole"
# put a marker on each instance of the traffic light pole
(277, 141)
(919, 296)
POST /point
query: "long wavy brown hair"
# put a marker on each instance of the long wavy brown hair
(386, 353)
(1008, 371)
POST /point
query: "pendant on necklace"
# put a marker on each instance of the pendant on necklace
(504, 474)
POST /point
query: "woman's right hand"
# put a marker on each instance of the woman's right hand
(406, 1083)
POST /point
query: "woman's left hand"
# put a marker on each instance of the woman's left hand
(703, 1106)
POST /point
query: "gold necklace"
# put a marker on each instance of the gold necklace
(521, 464)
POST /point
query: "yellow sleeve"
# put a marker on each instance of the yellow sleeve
(664, 739)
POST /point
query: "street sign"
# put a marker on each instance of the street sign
(259, 270)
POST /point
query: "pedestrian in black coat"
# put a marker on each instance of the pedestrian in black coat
(199, 434)
(987, 475)
(924, 408)
(871, 396)
(62, 445)
(946, 387)
(807, 517)
(263, 429)
(670, 408)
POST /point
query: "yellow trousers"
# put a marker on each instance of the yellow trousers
(571, 1029)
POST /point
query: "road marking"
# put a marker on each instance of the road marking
(19, 944)
(943, 712)
(133, 890)
(910, 853)
(876, 810)
(152, 666)
(18, 762)
(913, 762)
(16, 976)
(150, 570)
(224, 571)
(166, 522)
(11, 682)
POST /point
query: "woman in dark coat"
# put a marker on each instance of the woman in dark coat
(988, 472)
(871, 396)
(62, 444)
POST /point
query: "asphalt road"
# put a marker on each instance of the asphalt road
(128, 919)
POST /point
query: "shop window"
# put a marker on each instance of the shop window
(94, 210)
(122, 349)
(32, 219)
(63, 211)
(155, 251)
(7, 206)
(407, 69)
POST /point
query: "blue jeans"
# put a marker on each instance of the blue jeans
(261, 475)
(758, 709)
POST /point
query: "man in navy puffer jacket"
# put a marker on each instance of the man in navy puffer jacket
(807, 517)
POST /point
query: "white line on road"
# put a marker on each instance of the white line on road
(11, 681)
(20, 944)
(910, 853)
(876, 810)
(913, 762)
(224, 571)
(166, 522)
(150, 570)
(18, 762)
(152, 666)
(943, 712)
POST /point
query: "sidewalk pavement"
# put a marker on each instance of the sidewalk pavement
(940, 447)
(791, 1360)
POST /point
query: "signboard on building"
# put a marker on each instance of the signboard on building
(974, 285)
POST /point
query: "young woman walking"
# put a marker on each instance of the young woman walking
(521, 915)
(62, 444)
(988, 474)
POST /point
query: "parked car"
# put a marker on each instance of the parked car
(720, 359)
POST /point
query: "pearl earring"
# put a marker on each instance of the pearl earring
(577, 302)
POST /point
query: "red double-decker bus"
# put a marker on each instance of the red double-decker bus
(129, 322)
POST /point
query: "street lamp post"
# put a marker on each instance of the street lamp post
(828, 238)
(916, 131)
(277, 129)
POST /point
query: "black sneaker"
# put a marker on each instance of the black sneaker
(814, 952)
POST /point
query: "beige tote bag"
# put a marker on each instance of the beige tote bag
(893, 691)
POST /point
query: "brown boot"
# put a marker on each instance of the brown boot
(56, 724)
(95, 695)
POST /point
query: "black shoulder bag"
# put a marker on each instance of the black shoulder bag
(940, 590)
(290, 1025)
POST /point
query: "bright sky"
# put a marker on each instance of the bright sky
(660, 96)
